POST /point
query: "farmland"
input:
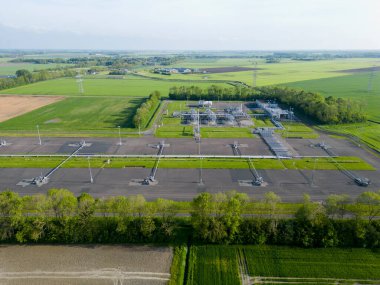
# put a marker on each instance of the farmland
(130, 87)
(77, 113)
(355, 87)
(271, 73)
(14, 106)
(282, 265)
(7, 68)
(98, 265)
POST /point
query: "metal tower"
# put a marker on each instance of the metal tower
(255, 74)
(80, 84)
(370, 79)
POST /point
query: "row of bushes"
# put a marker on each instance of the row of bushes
(146, 110)
(24, 77)
(327, 110)
(60, 217)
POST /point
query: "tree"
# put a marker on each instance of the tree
(271, 201)
(336, 205)
(200, 216)
(63, 202)
(86, 207)
(167, 210)
(370, 200)
(311, 212)
(10, 214)
(41, 213)
(25, 74)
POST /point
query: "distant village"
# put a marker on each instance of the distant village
(176, 70)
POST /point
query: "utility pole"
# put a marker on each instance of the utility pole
(255, 74)
(89, 168)
(201, 165)
(119, 136)
(370, 79)
(312, 173)
(39, 135)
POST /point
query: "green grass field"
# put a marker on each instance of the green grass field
(369, 133)
(270, 73)
(226, 132)
(77, 114)
(213, 265)
(7, 68)
(354, 87)
(350, 86)
(334, 263)
(283, 265)
(131, 87)
(352, 163)
(297, 130)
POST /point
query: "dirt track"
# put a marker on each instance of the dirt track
(13, 106)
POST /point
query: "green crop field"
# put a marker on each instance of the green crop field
(354, 87)
(213, 265)
(334, 263)
(274, 265)
(7, 68)
(270, 73)
(131, 86)
(77, 113)
(352, 163)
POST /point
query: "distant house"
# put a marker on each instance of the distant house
(173, 70)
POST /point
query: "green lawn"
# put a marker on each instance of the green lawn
(226, 132)
(297, 130)
(352, 163)
(131, 86)
(275, 265)
(77, 114)
(170, 131)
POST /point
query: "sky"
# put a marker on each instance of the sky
(190, 24)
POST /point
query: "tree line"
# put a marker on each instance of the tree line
(146, 110)
(326, 110)
(24, 77)
(60, 217)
